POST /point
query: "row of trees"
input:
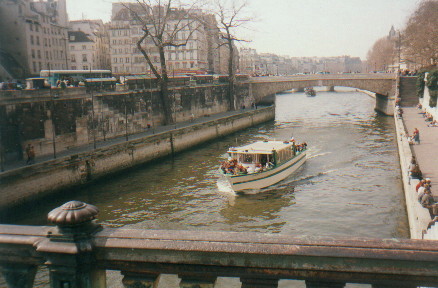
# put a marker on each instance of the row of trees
(416, 45)
(163, 20)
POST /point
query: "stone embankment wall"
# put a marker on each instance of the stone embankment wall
(418, 216)
(74, 117)
(41, 179)
(425, 103)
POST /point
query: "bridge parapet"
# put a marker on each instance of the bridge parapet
(382, 84)
(79, 251)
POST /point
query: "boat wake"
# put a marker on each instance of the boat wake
(307, 178)
(318, 155)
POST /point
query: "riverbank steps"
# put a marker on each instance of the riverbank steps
(37, 181)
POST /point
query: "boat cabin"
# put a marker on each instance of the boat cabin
(265, 153)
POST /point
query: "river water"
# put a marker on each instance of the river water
(350, 185)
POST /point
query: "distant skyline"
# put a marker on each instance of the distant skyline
(297, 28)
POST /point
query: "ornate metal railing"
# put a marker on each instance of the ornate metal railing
(78, 251)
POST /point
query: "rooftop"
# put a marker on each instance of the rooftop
(261, 147)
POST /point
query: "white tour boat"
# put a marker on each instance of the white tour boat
(262, 163)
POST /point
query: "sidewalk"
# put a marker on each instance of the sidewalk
(100, 144)
(426, 151)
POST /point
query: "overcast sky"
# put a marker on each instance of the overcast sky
(300, 27)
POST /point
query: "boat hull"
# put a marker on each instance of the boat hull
(266, 178)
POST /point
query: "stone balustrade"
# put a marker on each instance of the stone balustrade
(78, 251)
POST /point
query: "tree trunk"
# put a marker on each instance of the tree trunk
(232, 78)
(166, 101)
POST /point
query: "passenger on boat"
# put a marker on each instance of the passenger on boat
(241, 169)
(258, 168)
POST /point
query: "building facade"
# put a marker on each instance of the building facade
(89, 45)
(200, 54)
(34, 34)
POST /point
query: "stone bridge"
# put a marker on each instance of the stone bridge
(384, 85)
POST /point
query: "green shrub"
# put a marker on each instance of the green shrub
(420, 85)
(432, 84)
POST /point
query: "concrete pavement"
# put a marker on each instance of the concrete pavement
(425, 152)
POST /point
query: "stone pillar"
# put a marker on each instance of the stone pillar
(385, 104)
(323, 284)
(48, 129)
(196, 281)
(68, 247)
(398, 285)
(19, 276)
(139, 280)
(81, 130)
(259, 283)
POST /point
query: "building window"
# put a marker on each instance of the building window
(38, 39)
(33, 53)
(31, 39)
(115, 60)
(184, 64)
(34, 66)
(37, 30)
(31, 29)
(84, 47)
(73, 58)
(84, 57)
(127, 60)
(47, 55)
(39, 54)
(192, 64)
(73, 67)
(85, 67)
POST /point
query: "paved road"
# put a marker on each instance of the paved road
(426, 151)
(18, 164)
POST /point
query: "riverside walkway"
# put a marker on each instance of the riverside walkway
(11, 165)
(426, 151)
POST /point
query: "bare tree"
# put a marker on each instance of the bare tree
(381, 55)
(420, 37)
(230, 17)
(165, 24)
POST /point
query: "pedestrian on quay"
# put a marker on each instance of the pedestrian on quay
(427, 201)
(416, 136)
(30, 152)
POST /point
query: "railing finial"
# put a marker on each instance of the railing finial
(72, 214)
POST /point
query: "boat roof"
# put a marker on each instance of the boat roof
(261, 147)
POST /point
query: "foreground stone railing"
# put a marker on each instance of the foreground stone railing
(78, 251)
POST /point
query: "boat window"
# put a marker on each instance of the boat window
(246, 158)
(284, 155)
